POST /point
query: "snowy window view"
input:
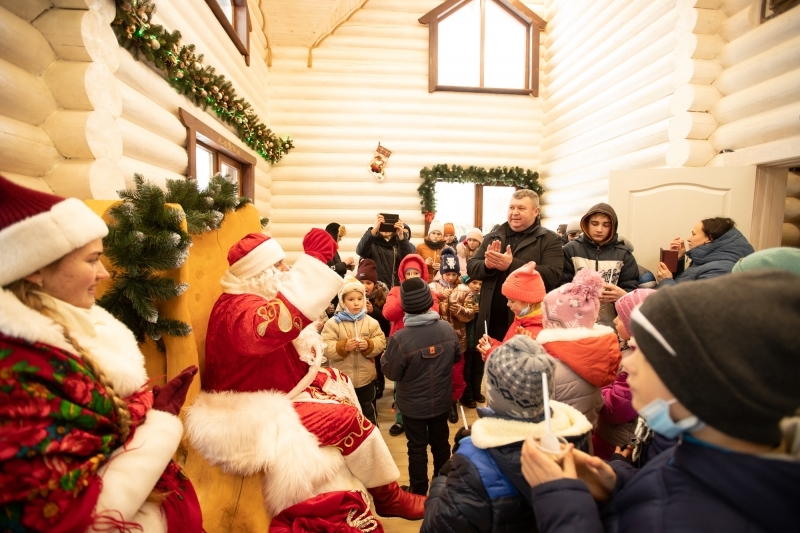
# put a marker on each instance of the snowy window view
(455, 201)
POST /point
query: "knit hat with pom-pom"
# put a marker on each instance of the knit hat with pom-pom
(576, 304)
(448, 261)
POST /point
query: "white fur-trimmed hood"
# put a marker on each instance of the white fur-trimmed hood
(251, 432)
(113, 346)
(490, 432)
(572, 334)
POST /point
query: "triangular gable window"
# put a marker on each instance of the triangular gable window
(483, 46)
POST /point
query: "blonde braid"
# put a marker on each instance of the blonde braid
(28, 294)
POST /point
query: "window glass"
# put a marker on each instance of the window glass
(205, 166)
(495, 205)
(227, 8)
(504, 49)
(232, 173)
(455, 203)
(460, 47)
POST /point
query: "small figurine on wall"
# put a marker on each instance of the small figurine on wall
(379, 162)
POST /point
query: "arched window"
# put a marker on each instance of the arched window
(483, 46)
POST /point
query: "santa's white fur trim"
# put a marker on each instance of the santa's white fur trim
(572, 334)
(251, 432)
(310, 286)
(372, 461)
(264, 255)
(490, 432)
(37, 241)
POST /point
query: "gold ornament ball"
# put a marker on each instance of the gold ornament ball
(154, 44)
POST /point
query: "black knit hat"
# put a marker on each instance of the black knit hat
(728, 349)
(415, 296)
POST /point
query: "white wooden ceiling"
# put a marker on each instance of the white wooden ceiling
(304, 22)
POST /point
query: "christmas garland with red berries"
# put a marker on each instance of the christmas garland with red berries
(184, 70)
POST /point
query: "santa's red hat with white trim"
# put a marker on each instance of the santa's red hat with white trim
(253, 254)
(37, 229)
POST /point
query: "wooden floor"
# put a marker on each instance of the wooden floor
(397, 445)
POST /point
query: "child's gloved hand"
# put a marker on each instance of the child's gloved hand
(319, 244)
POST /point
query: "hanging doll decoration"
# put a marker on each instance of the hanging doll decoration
(379, 161)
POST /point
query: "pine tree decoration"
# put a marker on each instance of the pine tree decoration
(146, 238)
(205, 209)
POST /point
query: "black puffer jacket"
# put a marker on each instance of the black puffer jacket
(484, 490)
(612, 258)
(386, 254)
(421, 358)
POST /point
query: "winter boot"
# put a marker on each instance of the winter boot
(392, 501)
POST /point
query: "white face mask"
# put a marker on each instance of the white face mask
(656, 414)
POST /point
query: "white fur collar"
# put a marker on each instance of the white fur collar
(113, 347)
(492, 432)
(572, 334)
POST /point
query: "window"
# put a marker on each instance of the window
(211, 153)
(773, 8)
(483, 46)
(490, 205)
(235, 19)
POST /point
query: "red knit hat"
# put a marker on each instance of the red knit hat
(525, 284)
(38, 228)
(253, 254)
(367, 271)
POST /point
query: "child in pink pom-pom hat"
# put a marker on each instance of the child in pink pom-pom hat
(587, 353)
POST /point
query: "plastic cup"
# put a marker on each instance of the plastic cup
(555, 455)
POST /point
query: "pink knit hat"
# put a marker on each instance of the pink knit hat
(628, 303)
(576, 304)
(525, 284)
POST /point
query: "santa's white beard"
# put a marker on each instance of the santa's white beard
(266, 284)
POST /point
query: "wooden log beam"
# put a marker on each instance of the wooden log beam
(766, 96)
(790, 234)
(26, 149)
(85, 134)
(145, 145)
(695, 71)
(768, 64)
(757, 129)
(793, 184)
(689, 153)
(695, 46)
(739, 24)
(156, 175)
(791, 209)
(692, 97)
(27, 10)
(79, 85)
(22, 44)
(691, 125)
(37, 184)
(23, 96)
(144, 112)
(731, 7)
(782, 151)
(564, 39)
(702, 21)
(761, 39)
(89, 178)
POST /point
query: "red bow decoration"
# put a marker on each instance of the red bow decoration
(429, 216)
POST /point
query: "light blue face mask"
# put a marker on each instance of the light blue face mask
(656, 414)
(525, 311)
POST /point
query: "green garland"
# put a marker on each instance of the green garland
(146, 238)
(186, 73)
(514, 176)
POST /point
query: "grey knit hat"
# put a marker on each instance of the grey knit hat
(415, 296)
(728, 349)
(513, 377)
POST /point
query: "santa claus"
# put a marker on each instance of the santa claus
(267, 405)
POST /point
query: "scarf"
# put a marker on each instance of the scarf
(435, 245)
(420, 320)
(347, 316)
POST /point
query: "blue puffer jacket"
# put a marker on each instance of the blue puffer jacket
(691, 488)
(484, 490)
(713, 259)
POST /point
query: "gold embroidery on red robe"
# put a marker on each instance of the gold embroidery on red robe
(274, 309)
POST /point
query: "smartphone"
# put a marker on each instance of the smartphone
(389, 221)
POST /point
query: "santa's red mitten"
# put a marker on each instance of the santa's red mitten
(319, 244)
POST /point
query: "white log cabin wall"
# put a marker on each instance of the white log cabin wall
(368, 83)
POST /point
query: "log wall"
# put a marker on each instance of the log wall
(368, 83)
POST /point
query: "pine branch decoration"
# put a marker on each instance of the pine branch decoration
(184, 70)
(514, 176)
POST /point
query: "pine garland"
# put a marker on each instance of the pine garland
(187, 75)
(514, 176)
(147, 238)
